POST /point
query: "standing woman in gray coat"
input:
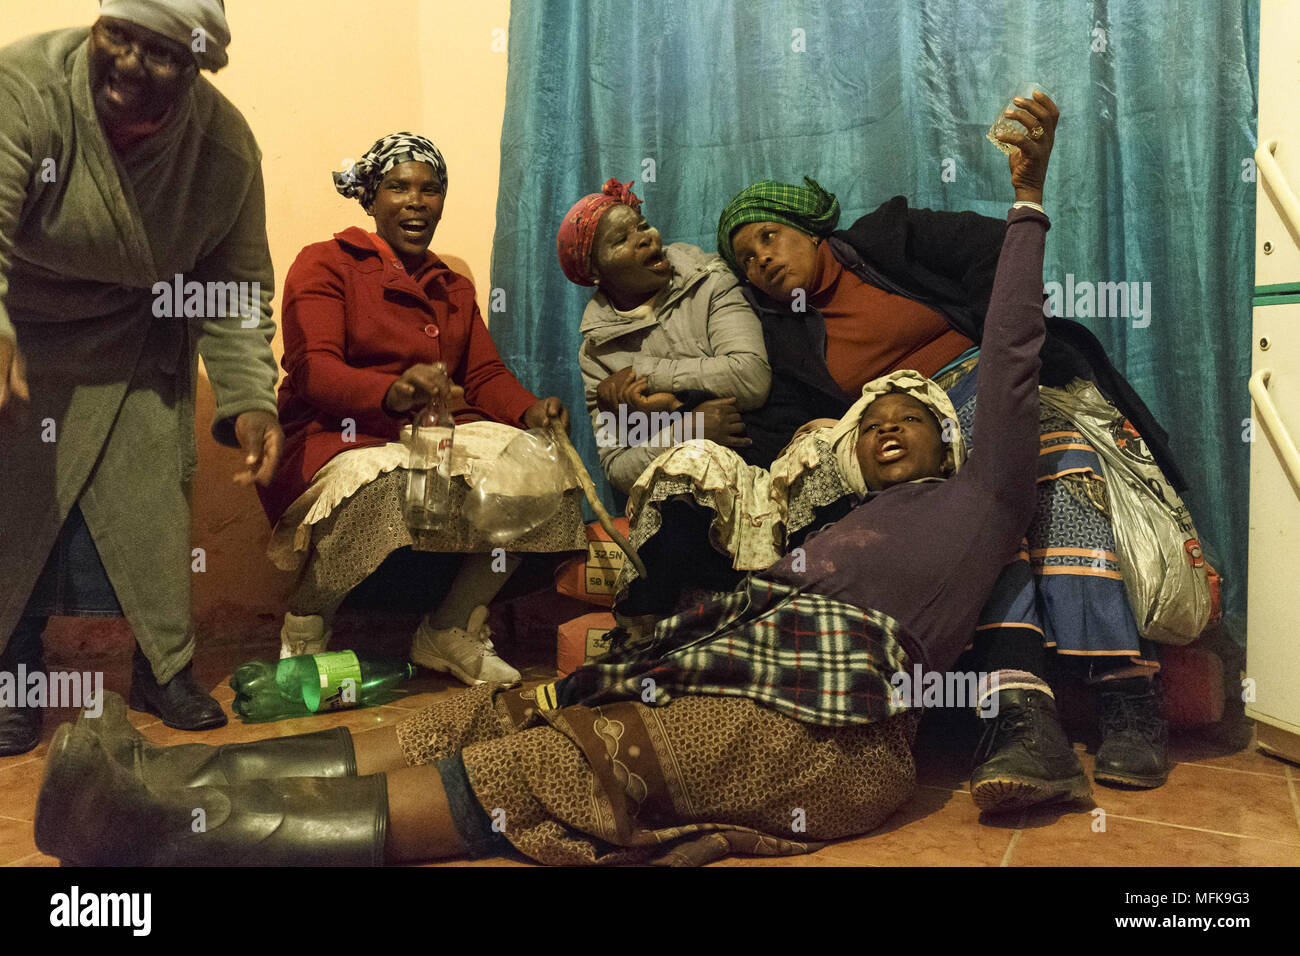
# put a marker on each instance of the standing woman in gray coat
(132, 239)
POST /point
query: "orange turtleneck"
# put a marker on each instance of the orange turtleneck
(871, 332)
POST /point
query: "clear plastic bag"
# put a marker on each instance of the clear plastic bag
(519, 491)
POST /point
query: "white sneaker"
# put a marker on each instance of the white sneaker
(467, 652)
(303, 635)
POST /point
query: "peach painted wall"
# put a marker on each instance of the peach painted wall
(318, 83)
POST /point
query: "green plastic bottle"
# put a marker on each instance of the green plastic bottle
(314, 683)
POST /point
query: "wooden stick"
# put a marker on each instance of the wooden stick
(589, 489)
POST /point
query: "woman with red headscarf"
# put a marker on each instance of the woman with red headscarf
(666, 331)
(671, 351)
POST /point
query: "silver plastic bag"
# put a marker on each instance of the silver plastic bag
(1159, 551)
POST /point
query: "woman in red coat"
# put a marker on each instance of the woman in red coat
(376, 325)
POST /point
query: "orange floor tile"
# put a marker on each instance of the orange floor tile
(1218, 808)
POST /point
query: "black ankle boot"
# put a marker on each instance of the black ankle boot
(181, 702)
(1134, 735)
(325, 753)
(1025, 757)
(92, 811)
(20, 727)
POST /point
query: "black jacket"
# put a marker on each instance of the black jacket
(946, 261)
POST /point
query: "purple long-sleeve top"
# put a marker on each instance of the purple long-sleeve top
(928, 552)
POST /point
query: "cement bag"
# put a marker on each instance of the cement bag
(1159, 552)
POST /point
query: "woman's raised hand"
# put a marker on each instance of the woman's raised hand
(1028, 160)
(416, 387)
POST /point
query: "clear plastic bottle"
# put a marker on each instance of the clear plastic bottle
(313, 684)
(428, 505)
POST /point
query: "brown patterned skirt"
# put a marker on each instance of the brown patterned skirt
(683, 784)
(349, 545)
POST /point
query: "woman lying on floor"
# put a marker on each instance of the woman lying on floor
(905, 285)
(755, 723)
(908, 288)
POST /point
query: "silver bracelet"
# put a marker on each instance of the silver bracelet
(1028, 205)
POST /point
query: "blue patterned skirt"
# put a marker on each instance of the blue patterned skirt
(1066, 585)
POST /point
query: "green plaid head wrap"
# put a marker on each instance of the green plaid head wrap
(809, 209)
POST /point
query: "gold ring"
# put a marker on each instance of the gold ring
(1036, 132)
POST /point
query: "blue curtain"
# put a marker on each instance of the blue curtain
(1150, 182)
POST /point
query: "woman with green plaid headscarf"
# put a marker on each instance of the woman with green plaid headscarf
(899, 289)
(808, 208)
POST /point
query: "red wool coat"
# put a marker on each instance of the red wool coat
(353, 322)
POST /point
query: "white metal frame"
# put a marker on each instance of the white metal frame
(1274, 426)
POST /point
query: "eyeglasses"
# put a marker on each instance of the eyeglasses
(159, 60)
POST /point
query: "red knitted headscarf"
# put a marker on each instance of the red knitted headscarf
(578, 230)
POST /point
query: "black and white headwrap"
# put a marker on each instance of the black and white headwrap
(361, 180)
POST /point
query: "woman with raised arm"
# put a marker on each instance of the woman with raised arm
(908, 288)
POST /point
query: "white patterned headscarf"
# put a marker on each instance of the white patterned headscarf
(361, 180)
(844, 436)
(199, 24)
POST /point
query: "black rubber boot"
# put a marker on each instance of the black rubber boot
(94, 812)
(181, 702)
(1134, 735)
(1025, 758)
(326, 753)
(20, 727)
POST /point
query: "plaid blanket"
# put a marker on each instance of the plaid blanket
(812, 658)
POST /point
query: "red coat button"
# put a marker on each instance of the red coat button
(431, 331)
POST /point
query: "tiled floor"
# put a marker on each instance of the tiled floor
(1218, 808)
